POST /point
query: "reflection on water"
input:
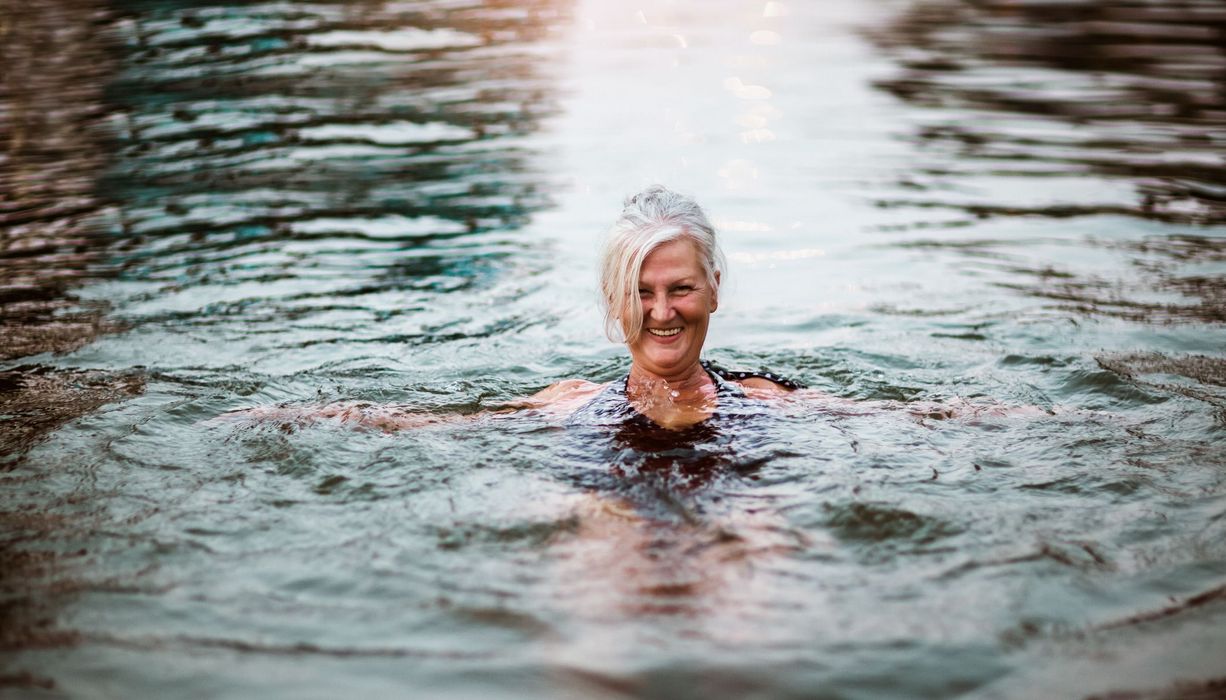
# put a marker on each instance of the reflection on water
(1040, 96)
(1195, 376)
(56, 63)
(1066, 111)
(340, 164)
(56, 66)
(235, 167)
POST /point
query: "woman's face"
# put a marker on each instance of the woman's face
(677, 304)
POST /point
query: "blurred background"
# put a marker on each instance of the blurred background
(211, 206)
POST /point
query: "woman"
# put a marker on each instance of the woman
(660, 272)
(660, 454)
(659, 278)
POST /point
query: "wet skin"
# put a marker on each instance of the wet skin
(676, 299)
(667, 383)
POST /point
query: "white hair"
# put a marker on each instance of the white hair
(649, 219)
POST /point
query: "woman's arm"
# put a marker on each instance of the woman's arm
(558, 399)
(562, 397)
(956, 408)
(388, 418)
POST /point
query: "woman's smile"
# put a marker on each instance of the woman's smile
(664, 332)
(677, 300)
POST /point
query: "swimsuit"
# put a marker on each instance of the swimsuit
(612, 407)
(737, 376)
(610, 434)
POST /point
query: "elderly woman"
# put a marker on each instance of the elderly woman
(659, 279)
(660, 274)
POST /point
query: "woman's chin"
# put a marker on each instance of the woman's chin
(664, 363)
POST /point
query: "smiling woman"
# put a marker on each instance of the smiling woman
(659, 281)
(660, 274)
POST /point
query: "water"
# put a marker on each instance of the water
(217, 206)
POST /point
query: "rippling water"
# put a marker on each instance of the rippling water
(215, 206)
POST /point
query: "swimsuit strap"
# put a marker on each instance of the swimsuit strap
(612, 402)
(724, 385)
(734, 376)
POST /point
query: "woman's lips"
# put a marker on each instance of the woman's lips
(674, 334)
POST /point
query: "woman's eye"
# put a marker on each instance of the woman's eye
(683, 289)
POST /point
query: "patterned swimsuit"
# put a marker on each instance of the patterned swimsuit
(610, 433)
(611, 406)
(627, 446)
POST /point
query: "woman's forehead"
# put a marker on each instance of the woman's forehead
(677, 253)
(668, 271)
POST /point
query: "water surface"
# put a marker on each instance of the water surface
(216, 206)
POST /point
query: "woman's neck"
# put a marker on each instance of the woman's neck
(692, 383)
(675, 402)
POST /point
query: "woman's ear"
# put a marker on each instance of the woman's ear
(715, 293)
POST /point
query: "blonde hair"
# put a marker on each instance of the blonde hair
(649, 219)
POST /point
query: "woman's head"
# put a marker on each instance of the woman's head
(673, 232)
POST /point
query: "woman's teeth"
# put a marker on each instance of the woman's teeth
(663, 332)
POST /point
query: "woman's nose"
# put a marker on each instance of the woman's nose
(661, 309)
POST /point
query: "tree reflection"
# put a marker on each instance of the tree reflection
(260, 142)
(1140, 89)
(56, 64)
(1069, 110)
(296, 151)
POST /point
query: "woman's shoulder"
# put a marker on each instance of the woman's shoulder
(762, 385)
(560, 394)
(761, 382)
